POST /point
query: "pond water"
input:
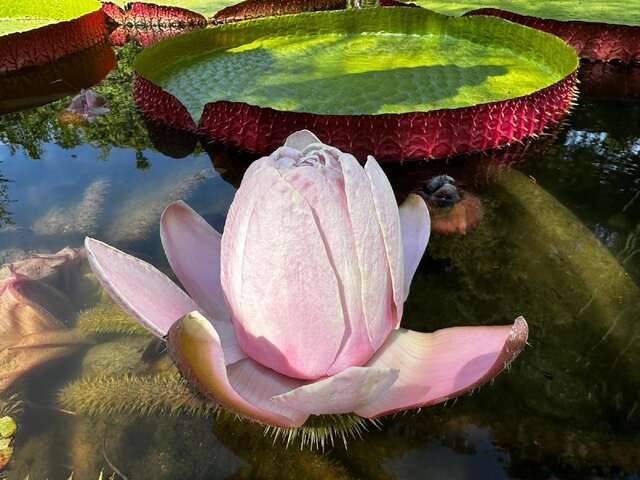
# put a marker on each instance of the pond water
(558, 241)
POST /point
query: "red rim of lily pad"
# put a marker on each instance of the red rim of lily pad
(389, 137)
(266, 8)
(150, 15)
(51, 42)
(592, 41)
(440, 133)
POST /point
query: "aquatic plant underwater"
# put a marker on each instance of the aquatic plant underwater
(289, 332)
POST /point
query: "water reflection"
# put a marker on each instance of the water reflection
(558, 241)
(607, 81)
(34, 86)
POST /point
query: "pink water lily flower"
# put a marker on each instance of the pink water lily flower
(88, 105)
(295, 310)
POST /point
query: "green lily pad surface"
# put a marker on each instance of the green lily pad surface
(204, 7)
(620, 12)
(18, 16)
(372, 61)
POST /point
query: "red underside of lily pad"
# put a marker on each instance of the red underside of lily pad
(592, 41)
(144, 36)
(388, 137)
(49, 43)
(148, 15)
(267, 8)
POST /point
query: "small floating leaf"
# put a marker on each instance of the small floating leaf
(8, 427)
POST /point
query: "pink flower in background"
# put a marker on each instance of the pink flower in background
(88, 105)
(295, 310)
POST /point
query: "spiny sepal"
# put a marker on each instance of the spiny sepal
(138, 395)
(108, 318)
(322, 431)
(168, 393)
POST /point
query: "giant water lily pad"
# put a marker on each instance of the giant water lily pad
(598, 30)
(396, 83)
(33, 32)
(621, 12)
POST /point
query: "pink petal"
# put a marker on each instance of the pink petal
(139, 288)
(147, 294)
(259, 177)
(245, 388)
(440, 365)
(375, 278)
(323, 191)
(301, 140)
(289, 313)
(416, 228)
(384, 201)
(342, 393)
(93, 99)
(193, 249)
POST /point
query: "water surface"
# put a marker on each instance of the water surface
(558, 242)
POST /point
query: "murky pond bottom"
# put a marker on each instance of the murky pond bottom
(556, 239)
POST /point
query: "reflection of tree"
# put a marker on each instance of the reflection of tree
(5, 214)
(123, 127)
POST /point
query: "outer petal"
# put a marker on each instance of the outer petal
(342, 393)
(147, 294)
(416, 228)
(139, 288)
(258, 178)
(437, 366)
(290, 317)
(193, 249)
(376, 284)
(245, 388)
(389, 220)
(301, 140)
